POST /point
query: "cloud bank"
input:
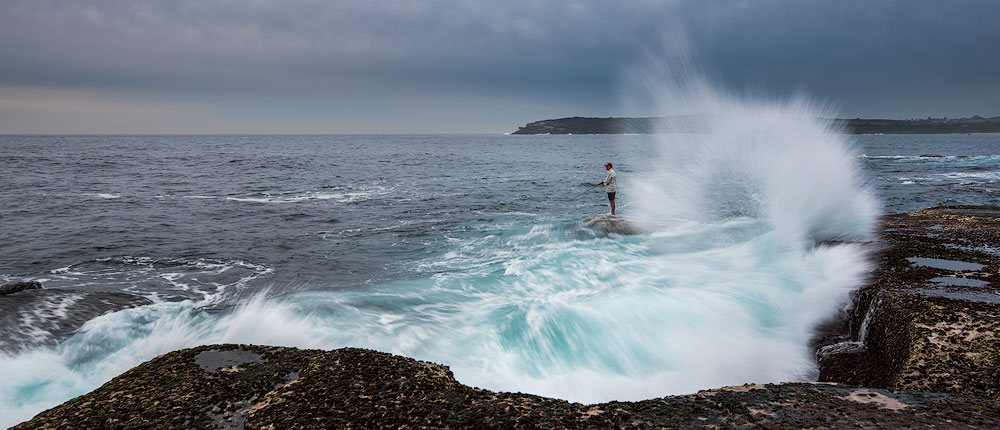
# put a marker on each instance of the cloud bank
(465, 66)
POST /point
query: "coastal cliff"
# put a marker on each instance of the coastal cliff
(920, 347)
(695, 124)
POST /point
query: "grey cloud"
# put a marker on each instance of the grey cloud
(304, 42)
(869, 55)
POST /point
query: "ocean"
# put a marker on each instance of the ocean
(466, 250)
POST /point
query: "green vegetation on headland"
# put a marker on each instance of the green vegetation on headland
(695, 124)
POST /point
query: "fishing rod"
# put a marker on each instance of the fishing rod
(585, 192)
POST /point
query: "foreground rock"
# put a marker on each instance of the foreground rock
(239, 386)
(31, 316)
(930, 318)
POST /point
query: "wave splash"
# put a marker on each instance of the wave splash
(782, 161)
(756, 229)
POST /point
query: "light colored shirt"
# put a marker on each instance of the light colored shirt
(611, 181)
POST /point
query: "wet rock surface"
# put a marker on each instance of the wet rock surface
(31, 316)
(358, 388)
(611, 224)
(15, 287)
(930, 317)
(213, 360)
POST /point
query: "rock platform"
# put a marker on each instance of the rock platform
(259, 387)
(930, 317)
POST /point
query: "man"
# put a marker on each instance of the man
(610, 183)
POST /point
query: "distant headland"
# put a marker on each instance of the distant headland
(694, 124)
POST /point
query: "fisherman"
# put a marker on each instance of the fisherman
(610, 183)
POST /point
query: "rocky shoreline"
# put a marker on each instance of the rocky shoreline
(930, 317)
(920, 347)
(243, 386)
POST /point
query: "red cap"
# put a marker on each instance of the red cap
(608, 164)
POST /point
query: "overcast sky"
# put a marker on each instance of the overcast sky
(410, 66)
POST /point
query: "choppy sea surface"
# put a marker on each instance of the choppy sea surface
(467, 250)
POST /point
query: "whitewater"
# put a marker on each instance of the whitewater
(462, 250)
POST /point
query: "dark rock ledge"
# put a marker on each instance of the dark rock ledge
(242, 386)
(17, 287)
(923, 336)
(930, 317)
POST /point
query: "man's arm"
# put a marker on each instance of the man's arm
(606, 179)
